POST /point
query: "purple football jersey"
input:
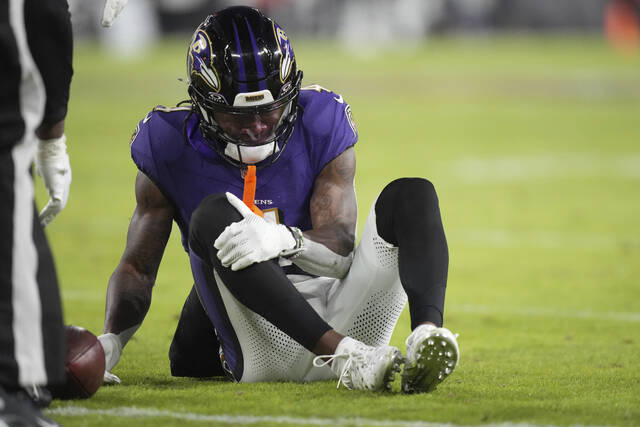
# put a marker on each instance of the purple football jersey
(187, 170)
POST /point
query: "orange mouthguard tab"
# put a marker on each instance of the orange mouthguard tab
(249, 193)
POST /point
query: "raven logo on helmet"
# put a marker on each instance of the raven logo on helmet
(286, 61)
(199, 55)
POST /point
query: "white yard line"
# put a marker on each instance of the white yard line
(547, 167)
(541, 239)
(546, 312)
(133, 412)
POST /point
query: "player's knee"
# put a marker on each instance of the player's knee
(410, 189)
(210, 218)
(407, 195)
(405, 200)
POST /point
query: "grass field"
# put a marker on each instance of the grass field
(534, 147)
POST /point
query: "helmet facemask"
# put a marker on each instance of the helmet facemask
(217, 120)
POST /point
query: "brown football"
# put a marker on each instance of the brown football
(84, 365)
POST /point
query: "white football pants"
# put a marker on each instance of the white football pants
(365, 305)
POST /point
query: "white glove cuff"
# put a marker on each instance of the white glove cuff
(51, 148)
(112, 349)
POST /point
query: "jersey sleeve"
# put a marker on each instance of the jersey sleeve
(141, 149)
(331, 122)
(157, 145)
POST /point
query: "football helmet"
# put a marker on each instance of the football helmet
(244, 85)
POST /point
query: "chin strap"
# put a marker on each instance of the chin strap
(249, 193)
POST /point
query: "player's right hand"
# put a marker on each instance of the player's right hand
(112, 350)
(251, 240)
(112, 9)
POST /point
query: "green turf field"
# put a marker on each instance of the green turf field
(534, 147)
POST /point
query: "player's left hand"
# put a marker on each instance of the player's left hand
(112, 9)
(251, 240)
(52, 164)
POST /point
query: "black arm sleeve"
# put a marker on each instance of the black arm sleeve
(11, 123)
(51, 43)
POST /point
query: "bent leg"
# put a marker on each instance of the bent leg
(367, 303)
(259, 299)
(408, 216)
(402, 253)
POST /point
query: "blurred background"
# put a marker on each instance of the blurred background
(369, 24)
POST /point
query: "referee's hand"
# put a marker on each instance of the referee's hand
(52, 164)
(112, 9)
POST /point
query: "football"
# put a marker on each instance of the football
(84, 365)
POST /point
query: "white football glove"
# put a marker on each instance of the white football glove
(112, 350)
(52, 164)
(251, 240)
(112, 9)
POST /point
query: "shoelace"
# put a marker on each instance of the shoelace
(325, 359)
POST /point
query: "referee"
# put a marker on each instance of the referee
(35, 74)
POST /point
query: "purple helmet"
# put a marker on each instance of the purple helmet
(244, 85)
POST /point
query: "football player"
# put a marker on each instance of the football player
(258, 174)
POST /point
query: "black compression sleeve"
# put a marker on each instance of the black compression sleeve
(408, 216)
(51, 43)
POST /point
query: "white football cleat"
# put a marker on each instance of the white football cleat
(432, 355)
(362, 367)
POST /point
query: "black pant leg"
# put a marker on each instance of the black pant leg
(51, 307)
(8, 364)
(194, 350)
